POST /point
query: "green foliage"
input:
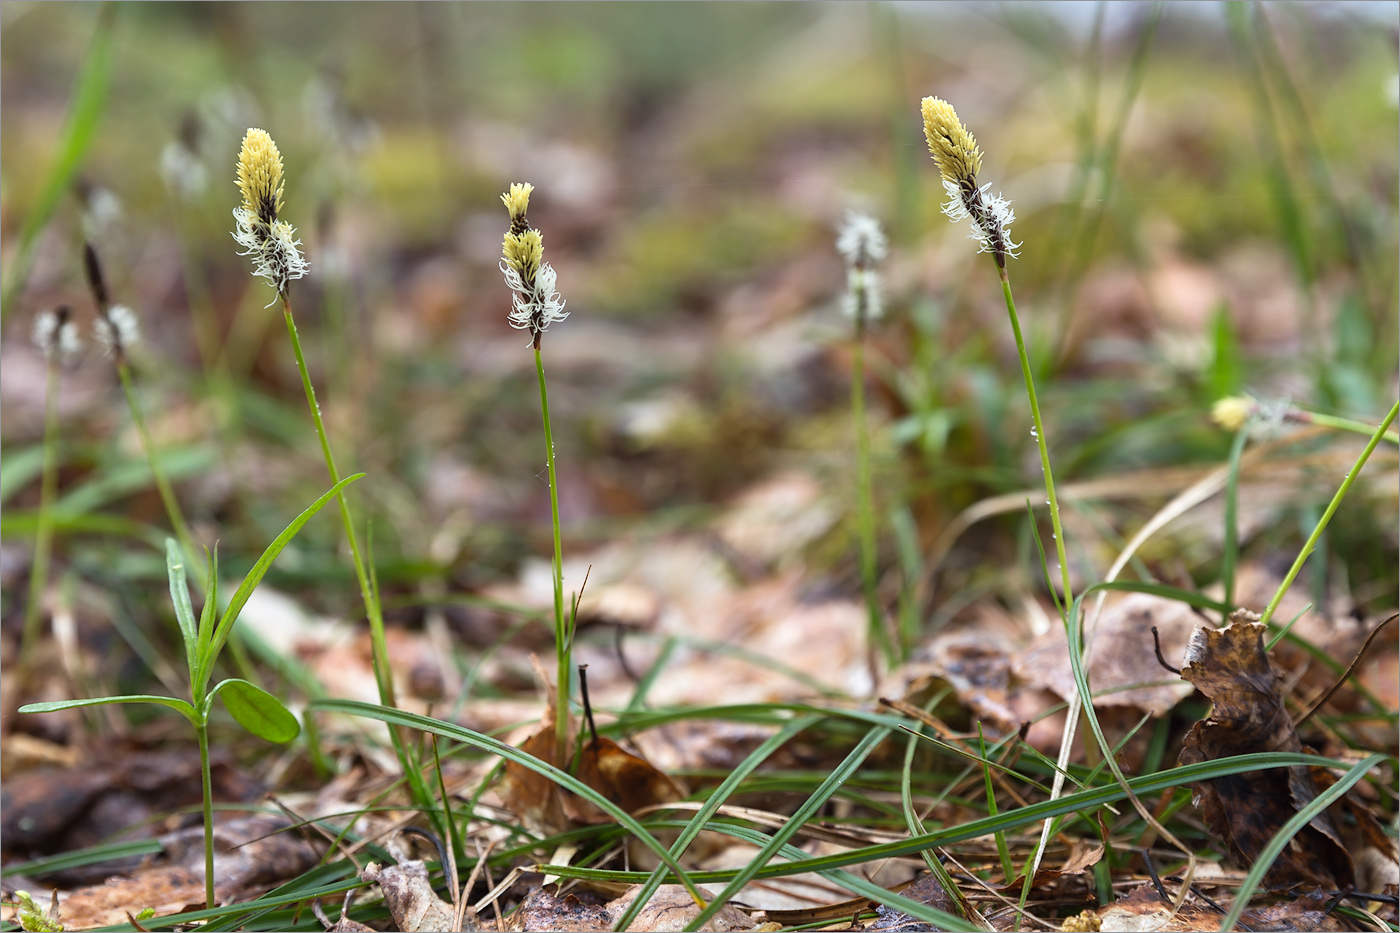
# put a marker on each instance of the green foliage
(253, 708)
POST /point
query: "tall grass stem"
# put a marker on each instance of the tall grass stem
(1039, 431)
(562, 636)
(383, 675)
(43, 537)
(865, 505)
(1321, 526)
(167, 494)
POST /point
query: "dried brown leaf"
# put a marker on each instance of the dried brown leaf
(621, 777)
(672, 908)
(1247, 810)
(409, 895)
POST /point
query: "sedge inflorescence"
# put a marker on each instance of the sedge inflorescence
(862, 243)
(535, 302)
(958, 158)
(55, 334)
(271, 243)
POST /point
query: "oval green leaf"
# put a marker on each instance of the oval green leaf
(258, 711)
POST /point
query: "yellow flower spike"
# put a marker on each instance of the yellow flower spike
(953, 147)
(524, 252)
(260, 175)
(517, 202)
(1232, 411)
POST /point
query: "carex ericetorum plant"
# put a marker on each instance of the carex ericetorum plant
(271, 243)
(535, 304)
(862, 245)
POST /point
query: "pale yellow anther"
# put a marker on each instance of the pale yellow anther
(517, 200)
(524, 252)
(1232, 411)
(953, 147)
(260, 175)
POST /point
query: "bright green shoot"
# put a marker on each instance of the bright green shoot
(204, 638)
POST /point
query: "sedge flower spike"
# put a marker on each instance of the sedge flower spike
(55, 334)
(1232, 411)
(535, 302)
(958, 158)
(117, 331)
(862, 243)
(271, 243)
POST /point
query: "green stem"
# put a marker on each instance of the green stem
(1039, 435)
(865, 507)
(43, 537)
(202, 731)
(1345, 424)
(383, 675)
(167, 494)
(562, 646)
(1327, 516)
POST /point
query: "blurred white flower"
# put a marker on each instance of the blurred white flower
(55, 335)
(118, 331)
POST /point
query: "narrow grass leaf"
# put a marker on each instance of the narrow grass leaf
(702, 817)
(804, 813)
(395, 717)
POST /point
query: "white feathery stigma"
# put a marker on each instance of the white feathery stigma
(118, 331)
(55, 339)
(273, 249)
(534, 308)
(998, 212)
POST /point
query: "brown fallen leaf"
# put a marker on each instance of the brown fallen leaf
(165, 890)
(533, 797)
(1123, 660)
(409, 895)
(1245, 811)
(625, 779)
(542, 910)
(1144, 910)
(672, 908)
(926, 890)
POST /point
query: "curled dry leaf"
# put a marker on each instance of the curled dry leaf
(626, 780)
(1246, 810)
(623, 778)
(409, 895)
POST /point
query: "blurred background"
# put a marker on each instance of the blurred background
(1206, 194)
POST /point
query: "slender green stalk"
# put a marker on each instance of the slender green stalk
(865, 505)
(1232, 530)
(43, 537)
(1327, 515)
(167, 494)
(202, 731)
(1039, 432)
(383, 675)
(1346, 424)
(562, 636)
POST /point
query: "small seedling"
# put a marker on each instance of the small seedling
(252, 707)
